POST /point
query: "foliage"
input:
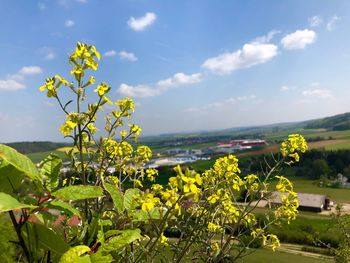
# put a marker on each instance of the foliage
(92, 215)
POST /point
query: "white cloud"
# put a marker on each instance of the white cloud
(139, 24)
(267, 38)
(317, 93)
(331, 25)
(315, 21)
(69, 23)
(68, 3)
(140, 91)
(47, 53)
(220, 104)
(30, 70)
(178, 79)
(284, 88)
(299, 39)
(15, 81)
(50, 56)
(110, 53)
(127, 56)
(251, 54)
(41, 6)
(11, 85)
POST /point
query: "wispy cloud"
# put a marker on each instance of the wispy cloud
(284, 88)
(11, 84)
(256, 52)
(30, 70)
(48, 53)
(317, 93)
(141, 23)
(179, 79)
(221, 104)
(299, 39)
(14, 82)
(41, 6)
(69, 23)
(332, 23)
(69, 3)
(315, 21)
(110, 53)
(127, 56)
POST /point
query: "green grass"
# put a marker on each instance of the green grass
(265, 255)
(338, 146)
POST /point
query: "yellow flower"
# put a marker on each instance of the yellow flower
(213, 227)
(102, 89)
(149, 202)
(67, 127)
(163, 240)
(92, 128)
(92, 80)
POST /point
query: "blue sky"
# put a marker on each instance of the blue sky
(189, 65)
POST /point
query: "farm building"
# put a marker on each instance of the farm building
(307, 202)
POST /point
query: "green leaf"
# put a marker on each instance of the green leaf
(8, 203)
(50, 170)
(117, 197)
(79, 192)
(99, 258)
(140, 215)
(14, 167)
(73, 255)
(46, 239)
(63, 206)
(129, 198)
(118, 239)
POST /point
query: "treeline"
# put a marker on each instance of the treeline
(337, 123)
(313, 164)
(33, 147)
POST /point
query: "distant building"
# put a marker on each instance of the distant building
(307, 202)
(241, 144)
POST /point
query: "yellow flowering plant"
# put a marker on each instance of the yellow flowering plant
(103, 212)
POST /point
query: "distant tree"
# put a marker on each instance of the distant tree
(319, 167)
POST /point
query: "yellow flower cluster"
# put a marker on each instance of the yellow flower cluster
(102, 89)
(83, 58)
(214, 227)
(294, 144)
(149, 201)
(289, 199)
(52, 84)
(144, 152)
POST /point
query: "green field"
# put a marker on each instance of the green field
(264, 255)
(338, 146)
(39, 156)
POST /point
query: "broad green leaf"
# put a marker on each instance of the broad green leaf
(8, 203)
(117, 197)
(14, 167)
(63, 206)
(46, 239)
(73, 255)
(50, 170)
(118, 239)
(129, 198)
(79, 192)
